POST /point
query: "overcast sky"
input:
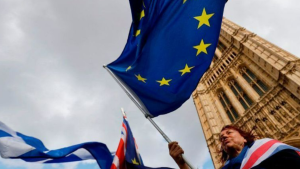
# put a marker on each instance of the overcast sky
(53, 86)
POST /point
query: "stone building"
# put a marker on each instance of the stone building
(251, 83)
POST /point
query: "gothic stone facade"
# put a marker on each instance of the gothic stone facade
(251, 83)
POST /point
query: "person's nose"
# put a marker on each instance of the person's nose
(225, 136)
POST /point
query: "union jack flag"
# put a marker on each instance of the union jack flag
(127, 151)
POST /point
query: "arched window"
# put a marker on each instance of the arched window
(257, 84)
(221, 46)
(215, 59)
(295, 98)
(231, 113)
(240, 94)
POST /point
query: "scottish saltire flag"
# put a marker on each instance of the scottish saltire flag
(127, 154)
(15, 145)
(261, 150)
(170, 45)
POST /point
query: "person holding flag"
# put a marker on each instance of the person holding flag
(240, 150)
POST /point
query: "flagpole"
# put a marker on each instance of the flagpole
(144, 111)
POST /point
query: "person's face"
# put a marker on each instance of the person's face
(232, 139)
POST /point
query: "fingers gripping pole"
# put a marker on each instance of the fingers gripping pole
(169, 140)
(143, 110)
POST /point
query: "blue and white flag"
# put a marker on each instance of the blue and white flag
(15, 145)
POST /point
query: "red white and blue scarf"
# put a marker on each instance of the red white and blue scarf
(262, 150)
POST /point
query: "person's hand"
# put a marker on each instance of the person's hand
(176, 153)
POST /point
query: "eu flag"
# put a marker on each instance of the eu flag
(170, 46)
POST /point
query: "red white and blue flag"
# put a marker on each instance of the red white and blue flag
(263, 149)
(127, 151)
(127, 155)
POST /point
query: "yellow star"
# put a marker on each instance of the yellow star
(135, 162)
(129, 67)
(187, 69)
(137, 32)
(142, 14)
(140, 78)
(201, 48)
(204, 18)
(164, 82)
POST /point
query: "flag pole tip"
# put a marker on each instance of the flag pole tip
(123, 112)
(104, 66)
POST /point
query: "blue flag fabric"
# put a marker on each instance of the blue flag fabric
(15, 145)
(171, 44)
